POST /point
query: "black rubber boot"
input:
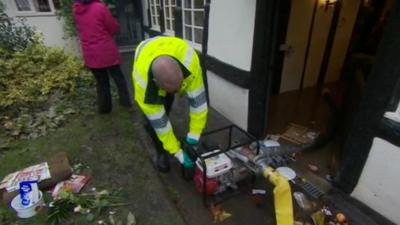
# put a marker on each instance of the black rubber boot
(163, 162)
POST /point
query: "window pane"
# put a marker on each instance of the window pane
(158, 20)
(173, 12)
(188, 17)
(188, 33)
(168, 24)
(23, 5)
(152, 11)
(167, 12)
(173, 24)
(57, 4)
(198, 35)
(42, 5)
(199, 4)
(187, 4)
(198, 18)
(156, 11)
(173, 2)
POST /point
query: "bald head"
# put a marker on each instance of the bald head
(167, 73)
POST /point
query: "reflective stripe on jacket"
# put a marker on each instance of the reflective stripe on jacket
(151, 99)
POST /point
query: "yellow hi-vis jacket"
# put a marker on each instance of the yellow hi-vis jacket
(150, 97)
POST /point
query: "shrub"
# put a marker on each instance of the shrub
(39, 85)
(31, 75)
(14, 34)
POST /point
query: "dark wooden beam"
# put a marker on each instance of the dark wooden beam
(379, 92)
(264, 42)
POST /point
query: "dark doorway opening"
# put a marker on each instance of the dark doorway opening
(129, 15)
(326, 107)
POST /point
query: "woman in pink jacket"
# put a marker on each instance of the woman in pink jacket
(96, 28)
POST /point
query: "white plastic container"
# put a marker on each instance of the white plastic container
(216, 165)
(27, 212)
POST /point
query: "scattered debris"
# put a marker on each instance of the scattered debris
(298, 223)
(75, 183)
(341, 218)
(258, 197)
(313, 168)
(274, 137)
(302, 201)
(299, 134)
(77, 168)
(37, 172)
(326, 211)
(130, 219)
(58, 166)
(91, 204)
(258, 192)
(329, 177)
(318, 218)
(219, 214)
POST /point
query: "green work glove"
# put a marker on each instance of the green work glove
(191, 141)
(184, 159)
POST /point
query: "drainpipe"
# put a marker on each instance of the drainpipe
(204, 46)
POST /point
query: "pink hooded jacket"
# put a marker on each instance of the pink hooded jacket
(96, 27)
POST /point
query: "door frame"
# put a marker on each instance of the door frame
(271, 21)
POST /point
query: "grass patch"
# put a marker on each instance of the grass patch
(109, 145)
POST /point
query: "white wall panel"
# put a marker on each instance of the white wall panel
(379, 183)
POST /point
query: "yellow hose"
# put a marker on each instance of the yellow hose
(282, 197)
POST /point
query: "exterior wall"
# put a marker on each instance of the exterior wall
(231, 41)
(228, 99)
(379, 183)
(48, 25)
(231, 31)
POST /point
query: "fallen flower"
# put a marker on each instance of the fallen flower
(77, 209)
(219, 214)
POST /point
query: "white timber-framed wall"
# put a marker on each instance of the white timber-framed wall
(230, 40)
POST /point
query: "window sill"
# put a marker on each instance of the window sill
(196, 46)
(35, 14)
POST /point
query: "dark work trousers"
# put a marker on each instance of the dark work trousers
(169, 100)
(104, 102)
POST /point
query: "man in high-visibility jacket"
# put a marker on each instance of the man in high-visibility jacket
(164, 66)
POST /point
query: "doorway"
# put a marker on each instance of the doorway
(128, 14)
(328, 52)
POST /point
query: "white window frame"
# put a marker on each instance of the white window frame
(171, 10)
(154, 4)
(33, 12)
(192, 11)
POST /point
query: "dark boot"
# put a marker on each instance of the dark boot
(163, 162)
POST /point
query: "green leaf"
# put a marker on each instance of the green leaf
(90, 217)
